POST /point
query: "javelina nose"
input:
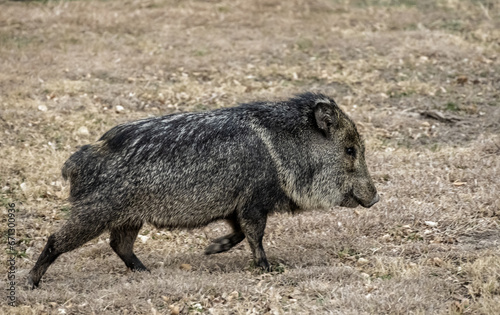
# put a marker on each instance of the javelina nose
(374, 201)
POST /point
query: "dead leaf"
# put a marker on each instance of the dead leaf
(436, 261)
(233, 295)
(174, 309)
(462, 80)
(186, 267)
(371, 288)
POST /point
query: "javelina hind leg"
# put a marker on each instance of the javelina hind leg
(71, 236)
(226, 242)
(254, 232)
(122, 242)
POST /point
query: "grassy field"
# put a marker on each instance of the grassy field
(420, 78)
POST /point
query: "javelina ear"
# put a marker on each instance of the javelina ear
(325, 115)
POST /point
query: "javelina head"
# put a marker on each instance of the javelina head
(345, 161)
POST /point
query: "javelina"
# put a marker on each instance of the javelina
(189, 169)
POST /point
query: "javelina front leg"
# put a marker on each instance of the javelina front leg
(122, 242)
(226, 242)
(254, 231)
(71, 236)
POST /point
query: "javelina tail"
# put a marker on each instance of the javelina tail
(71, 167)
(80, 170)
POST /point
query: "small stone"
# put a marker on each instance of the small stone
(42, 108)
(119, 108)
(83, 131)
(143, 238)
(431, 223)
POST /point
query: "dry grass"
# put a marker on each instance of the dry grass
(67, 65)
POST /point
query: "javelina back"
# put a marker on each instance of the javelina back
(189, 169)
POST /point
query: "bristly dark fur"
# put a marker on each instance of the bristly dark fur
(189, 169)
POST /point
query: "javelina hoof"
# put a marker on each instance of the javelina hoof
(31, 284)
(219, 246)
(134, 264)
(225, 243)
(215, 248)
(264, 265)
(140, 269)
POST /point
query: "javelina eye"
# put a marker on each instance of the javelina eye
(351, 151)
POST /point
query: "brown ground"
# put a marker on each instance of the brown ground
(421, 78)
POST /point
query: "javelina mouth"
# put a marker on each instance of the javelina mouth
(365, 204)
(350, 201)
(374, 201)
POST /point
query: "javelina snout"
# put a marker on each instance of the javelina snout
(363, 190)
(235, 164)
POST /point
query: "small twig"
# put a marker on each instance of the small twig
(440, 116)
(69, 300)
(485, 10)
